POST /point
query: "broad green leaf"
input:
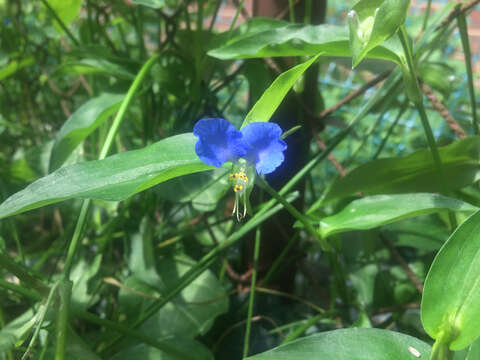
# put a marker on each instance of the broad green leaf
(95, 66)
(371, 22)
(194, 348)
(191, 313)
(273, 96)
(114, 178)
(66, 10)
(413, 173)
(154, 4)
(298, 40)
(373, 211)
(81, 124)
(76, 348)
(15, 65)
(350, 344)
(451, 296)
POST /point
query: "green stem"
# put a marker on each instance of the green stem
(256, 252)
(237, 13)
(418, 101)
(462, 26)
(308, 12)
(72, 249)
(295, 213)
(402, 110)
(302, 328)
(279, 260)
(60, 22)
(65, 292)
(427, 15)
(291, 11)
(441, 351)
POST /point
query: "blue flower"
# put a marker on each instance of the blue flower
(258, 143)
(264, 146)
(218, 141)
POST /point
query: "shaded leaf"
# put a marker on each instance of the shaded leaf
(95, 66)
(81, 124)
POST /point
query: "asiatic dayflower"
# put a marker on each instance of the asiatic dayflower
(256, 148)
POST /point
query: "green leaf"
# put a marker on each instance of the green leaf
(82, 123)
(95, 66)
(374, 211)
(15, 65)
(191, 313)
(371, 22)
(298, 40)
(350, 344)
(451, 297)
(67, 10)
(273, 96)
(114, 178)
(154, 4)
(413, 173)
(146, 352)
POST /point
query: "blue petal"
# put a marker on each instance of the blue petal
(218, 141)
(265, 148)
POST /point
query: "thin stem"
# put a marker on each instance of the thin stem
(295, 213)
(402, 110)
(235, 17)
(65, 293)
(291, 11)
(60, 22)
(418, 100)
(308, 12)
(256, 252)
(72, 248)
(302, 328)
(427, 15)
(126, 103)
(462, 26)
(279, 260)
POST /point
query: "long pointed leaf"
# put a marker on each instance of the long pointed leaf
(114, 178)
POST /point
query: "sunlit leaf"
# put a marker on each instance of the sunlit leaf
(451, 297)
(373, 211)
(114, 178)
(413, 173)
(349, 344)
